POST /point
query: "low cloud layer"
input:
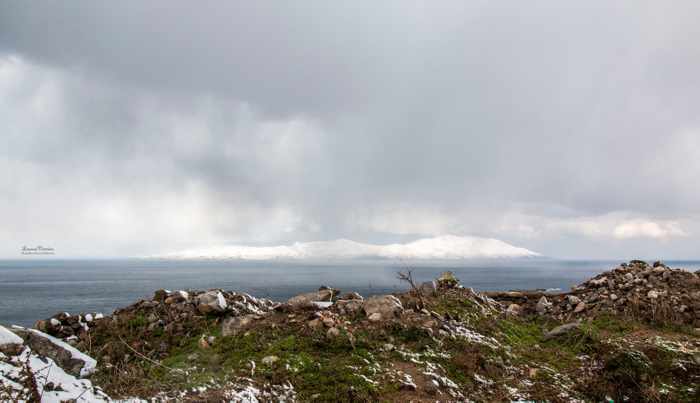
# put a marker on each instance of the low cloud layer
(131, 128)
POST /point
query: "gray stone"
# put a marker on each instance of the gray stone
(598, 282)
(42, 344)
(562, 330)
(307, 300)
(236, 324)
(388, 306)
(513, 309)
(543, 305)
(211, 301)
(349, 307)
(270, 360)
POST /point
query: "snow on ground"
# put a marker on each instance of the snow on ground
(46, 371)
(53, 384)
(7, 337)
(89, 363)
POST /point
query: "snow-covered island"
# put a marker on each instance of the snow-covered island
(447, 247)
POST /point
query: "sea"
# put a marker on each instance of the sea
(33, 289)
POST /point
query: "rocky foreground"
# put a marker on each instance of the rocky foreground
(630, 334)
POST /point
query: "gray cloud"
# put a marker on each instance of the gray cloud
(146, 128)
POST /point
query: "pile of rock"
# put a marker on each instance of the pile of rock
(652, 292)
(635, 289)
(167, 311)
(68, 327)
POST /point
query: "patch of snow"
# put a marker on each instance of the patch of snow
(7, 337)
(45, 371)
(220, 300)
(89, 363)
(364, 378)
(248, 394)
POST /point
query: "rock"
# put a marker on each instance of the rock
(513, 309)
(160, 295)
(431, 388)
(349, 307)
(351, 296)
(573, 300)
(407, 383)
(333, 291)
(67, 357)
(542, 305)
(10, 343)
(562, 330)
(307, 300)
(598, 282)
(333, 332)
(613, 297)
(316, 323)
(447, 280)
(211, 302)
(176, 297)
(375, 317)
(270, 360)
(653, 294)
(388, 306)
(236, 324)
(580, 307)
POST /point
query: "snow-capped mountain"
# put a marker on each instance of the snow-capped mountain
(442, 247)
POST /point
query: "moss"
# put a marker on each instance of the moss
(611, 325)
(518, 333)
(137, 322)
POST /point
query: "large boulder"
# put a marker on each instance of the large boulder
(211, 302)
(10, 343)
(349, 306)
(67, 357)
(543, 305)
(387, 306)
(562, 330)
(237, 324)
(324, 294)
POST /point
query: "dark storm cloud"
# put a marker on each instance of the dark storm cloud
(545, 124)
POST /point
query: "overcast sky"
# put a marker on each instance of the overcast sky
(569, 128)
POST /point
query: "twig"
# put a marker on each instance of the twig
(408, 277)
(148, 359)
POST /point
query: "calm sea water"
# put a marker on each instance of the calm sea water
(34, 289)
